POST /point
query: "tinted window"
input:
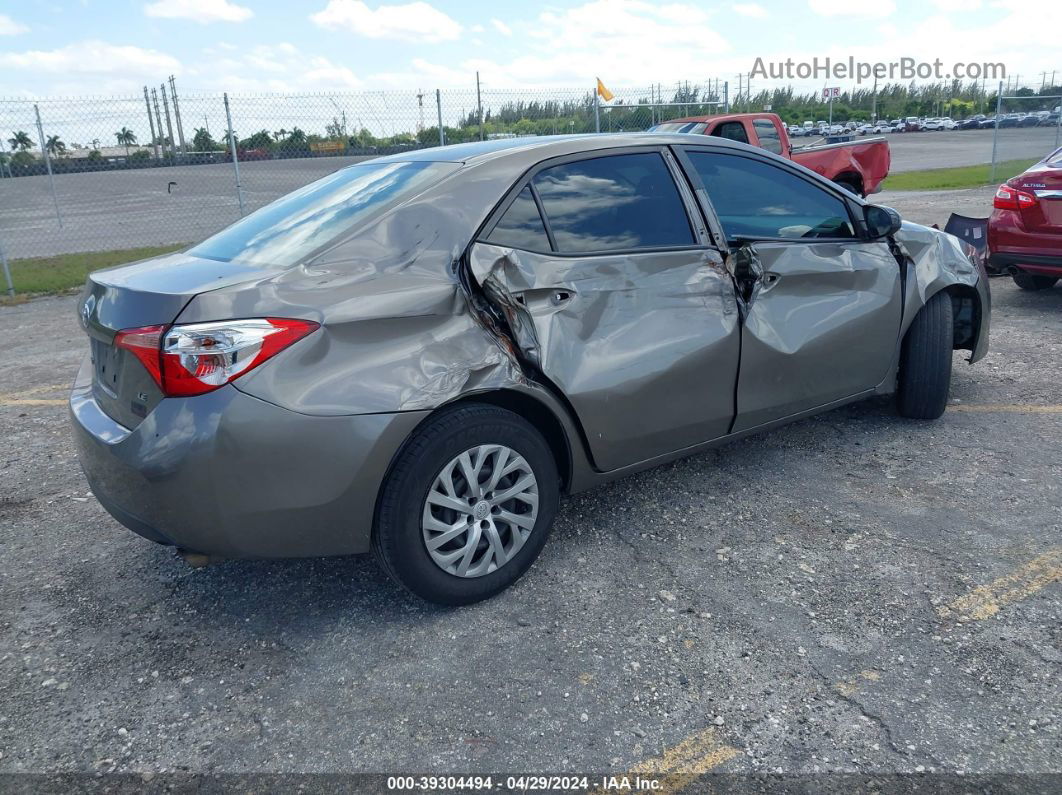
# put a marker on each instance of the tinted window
(293, 226)
(613, 203)
(768, 135)
(761, 200)
(521, 226)
(691, 127)
(734, 130)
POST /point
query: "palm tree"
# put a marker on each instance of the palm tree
(20, 141)
(280, 134)
(296, 137)
(55, 146)
(126, 138)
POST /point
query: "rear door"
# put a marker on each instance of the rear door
(616, 296)
(822, 305)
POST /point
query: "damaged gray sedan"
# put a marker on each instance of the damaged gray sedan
(418, 355)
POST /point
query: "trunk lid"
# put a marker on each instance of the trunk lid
(148, 293)
(1044, 180)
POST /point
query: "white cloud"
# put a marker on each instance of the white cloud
(501, 27)
(625, 42)
(847, 8)
(750, 10)
(94, 57)
(202, 11)
(8, 26)
(417, 21)
(279, 67)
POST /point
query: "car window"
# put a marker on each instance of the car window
(691, 127)
(760, 200)
(613, 203)
(733, 130)
(521, 226)
(768, 135)
(295, 225)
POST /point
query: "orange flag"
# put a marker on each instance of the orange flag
(603, 92)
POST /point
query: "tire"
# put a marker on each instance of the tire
(428, 470)
(851, 187)
(1031, 281)
(925, 361)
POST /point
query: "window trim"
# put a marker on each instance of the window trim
(702, 239)
(509, 201)
(763, 156)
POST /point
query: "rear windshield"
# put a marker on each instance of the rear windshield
(294, 226)
(691, 127)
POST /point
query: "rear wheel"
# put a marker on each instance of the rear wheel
(925, 361)
(468, 505)
(1031, 281)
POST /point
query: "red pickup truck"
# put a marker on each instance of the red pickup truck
(860, 166)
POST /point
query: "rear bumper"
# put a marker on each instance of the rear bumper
(230, 475)
(1045, 264)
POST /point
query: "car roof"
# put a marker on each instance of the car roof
(544, 147)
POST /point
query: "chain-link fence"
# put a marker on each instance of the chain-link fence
(1027, 125)
(162, 168)
(93, 174)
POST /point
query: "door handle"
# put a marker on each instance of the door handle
(544, 299)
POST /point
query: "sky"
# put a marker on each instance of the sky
(113, 47)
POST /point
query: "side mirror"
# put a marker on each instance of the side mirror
(881, 221)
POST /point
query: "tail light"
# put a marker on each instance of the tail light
(1008, 198)
(200, 357)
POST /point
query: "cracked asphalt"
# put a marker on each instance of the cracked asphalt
(855, 592)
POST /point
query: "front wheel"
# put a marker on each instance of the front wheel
(925, 361)
(467, 506)
(1031, 281)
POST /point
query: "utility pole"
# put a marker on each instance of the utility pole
(151, 124)
(169, 123)
(726, 96)
(158, 119)
(737, 99)
(874, 101)
(479, 105)
(420, 110)
(177, 114)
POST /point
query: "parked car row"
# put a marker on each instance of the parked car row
(918, 124)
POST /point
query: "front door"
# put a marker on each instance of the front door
(822, 305)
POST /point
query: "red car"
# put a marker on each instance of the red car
(1025, 229)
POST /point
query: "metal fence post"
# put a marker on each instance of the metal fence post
(48, 164)
(597, 111)
(7, 270)
(995, 130)
(232, 148)
(438, 109)
(479, 106)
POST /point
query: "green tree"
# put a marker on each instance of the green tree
(126, 138)
(262, 139)
(95, 156)
(203, 141)
(20, 141)
(296, 137)
(55, 146)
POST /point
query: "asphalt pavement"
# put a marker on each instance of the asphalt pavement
(856, 592)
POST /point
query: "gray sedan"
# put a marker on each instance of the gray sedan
(418, 355)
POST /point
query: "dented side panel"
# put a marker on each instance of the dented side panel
(936, 261)
(645, 346)
(822, 324)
